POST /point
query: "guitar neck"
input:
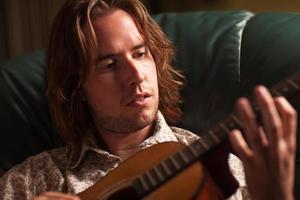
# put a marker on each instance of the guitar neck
(288, 88)
(211, 138)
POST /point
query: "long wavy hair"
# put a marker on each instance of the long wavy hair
(71, 40)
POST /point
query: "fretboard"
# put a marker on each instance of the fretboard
(166, 169)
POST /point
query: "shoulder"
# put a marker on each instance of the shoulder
(184, 136)
(27, 175)
(34, 167)
(39, 161)
(46, 159)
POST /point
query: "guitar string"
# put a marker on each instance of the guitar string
(202, 144)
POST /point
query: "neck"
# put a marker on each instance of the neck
(124, 145)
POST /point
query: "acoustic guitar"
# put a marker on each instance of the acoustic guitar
(171, 170)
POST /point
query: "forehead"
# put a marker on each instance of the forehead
(116, 29)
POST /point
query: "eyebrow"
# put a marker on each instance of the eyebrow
(110, 55)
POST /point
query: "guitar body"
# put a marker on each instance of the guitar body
(191, 183)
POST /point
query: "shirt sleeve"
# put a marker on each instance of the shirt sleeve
(17, 183)
(35, 175)
(237, 170)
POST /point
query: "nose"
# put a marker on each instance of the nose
(134, 72)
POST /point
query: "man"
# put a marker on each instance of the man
(111, 90)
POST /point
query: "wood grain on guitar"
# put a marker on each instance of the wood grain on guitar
(171, 170)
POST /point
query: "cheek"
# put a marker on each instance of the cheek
(153, 75)
(100, 94)
(151, 71)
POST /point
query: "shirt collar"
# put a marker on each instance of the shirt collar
(89, 143)
(162, 133)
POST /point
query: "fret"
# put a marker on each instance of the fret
(154, 176)
(162, 170)
(158, 173)
(285, 89)
(198, 146)
(203, 144)
(170, 165)
(275, 92)
(174, 162)
(147, 180)
(224, 127)
(231, 125)
(138, 187)
(194, 152)
(178, 159)
(188, 154)
(144, 184)
(293, 84)
(151, 179)
(214, 136)
(237, 121)
(165, 167)
(183, 156)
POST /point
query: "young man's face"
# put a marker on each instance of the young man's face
(121, 87)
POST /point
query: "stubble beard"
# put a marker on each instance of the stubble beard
(125, 125)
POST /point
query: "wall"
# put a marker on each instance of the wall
(28, 23)
(25, 24)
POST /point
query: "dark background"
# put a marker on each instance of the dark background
(25, 25)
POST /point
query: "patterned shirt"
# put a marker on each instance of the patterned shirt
(60, 170)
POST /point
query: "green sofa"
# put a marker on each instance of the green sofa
(223, 54)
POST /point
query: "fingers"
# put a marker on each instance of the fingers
(255, 139)
(56, 196)
(279, 119)
(240, 146)
(267, 148)
(289, 120)
(254, 134)
(271, 121)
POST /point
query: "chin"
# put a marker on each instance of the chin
(148, 115)
(143, 119)
(131, 122)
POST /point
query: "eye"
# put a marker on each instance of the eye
(110, 66)
(139, 54)
(106, 65)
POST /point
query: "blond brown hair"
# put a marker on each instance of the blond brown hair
(71, 40)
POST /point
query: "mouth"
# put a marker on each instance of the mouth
(141, 99)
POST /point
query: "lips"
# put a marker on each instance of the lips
(139, 99)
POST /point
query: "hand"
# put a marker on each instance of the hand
(56, 196)
(267, 150)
